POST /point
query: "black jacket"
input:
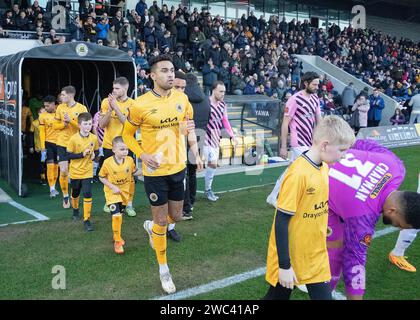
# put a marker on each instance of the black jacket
(199, 102)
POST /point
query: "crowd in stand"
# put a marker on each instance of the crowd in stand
(250, 55)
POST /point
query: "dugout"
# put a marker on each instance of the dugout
(90, 68)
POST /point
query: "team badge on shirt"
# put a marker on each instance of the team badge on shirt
(366, 240)
(178, 107)
(329, 231)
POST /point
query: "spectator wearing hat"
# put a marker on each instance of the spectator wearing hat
(128, 34)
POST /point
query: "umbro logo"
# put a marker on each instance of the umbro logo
(310, 190)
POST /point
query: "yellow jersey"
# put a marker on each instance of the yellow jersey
(119, 175)
(114, 127)
(47, 132)
(65, 133)
(159, 118)
(35, 129)
(304, 195)
(27, 119)
(82, 168)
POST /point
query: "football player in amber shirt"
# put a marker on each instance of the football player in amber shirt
(114, 111)
(163, 116)
(48, 136)
(66, 122)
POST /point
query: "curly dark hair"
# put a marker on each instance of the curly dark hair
(308, 77)
(411, 206)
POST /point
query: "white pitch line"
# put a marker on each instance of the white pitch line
(223, 283)
(33, 213)
(240, 189)
(19, 222)
(213, 285)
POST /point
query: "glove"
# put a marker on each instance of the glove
(43, 155)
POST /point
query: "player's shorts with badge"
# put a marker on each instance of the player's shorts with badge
(163, 188)
(116, 208)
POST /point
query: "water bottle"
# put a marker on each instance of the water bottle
(158, 158)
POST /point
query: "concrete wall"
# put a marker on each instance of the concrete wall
(340, 79)
(393, 27)
(11, 46)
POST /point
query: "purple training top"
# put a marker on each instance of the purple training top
(359, 186)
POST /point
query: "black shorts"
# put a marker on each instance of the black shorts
(116, 208)
(81, 185)
(51, 152)
(62, 153)
(163, 188)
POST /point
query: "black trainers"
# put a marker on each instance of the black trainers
(186, 216)
(76, 215)
(174, 235)
(88, 225)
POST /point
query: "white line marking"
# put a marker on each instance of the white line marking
(19, 222)
(240, 189)
(34, 213)
(213, 285)
(219, 284)
(384, 232)
(230, 169)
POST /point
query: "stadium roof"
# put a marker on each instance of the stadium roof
(407, 10)
(78, 51)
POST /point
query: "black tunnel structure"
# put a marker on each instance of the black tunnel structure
(90, 68)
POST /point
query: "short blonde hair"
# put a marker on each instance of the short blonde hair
(335, 130)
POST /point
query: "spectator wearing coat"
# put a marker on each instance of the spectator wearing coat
(377, 104)
(362, 107)
(348, 96)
